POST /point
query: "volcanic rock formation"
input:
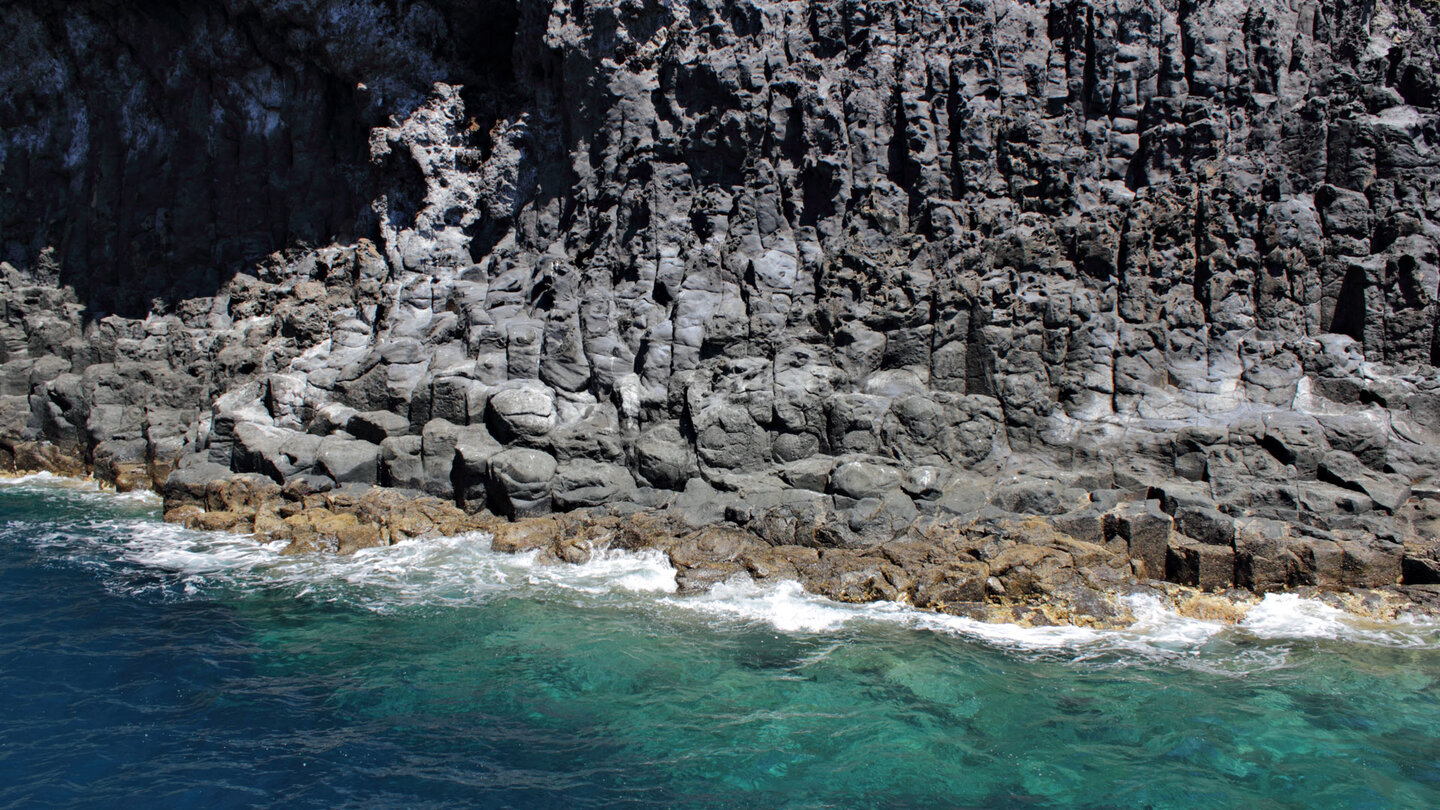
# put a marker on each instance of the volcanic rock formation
(1162, 273)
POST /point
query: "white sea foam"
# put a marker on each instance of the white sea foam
(786, 606)
(430, 571)
(50, 480)
(1288, 616)
(86, 488)
(463, 570)
(142, 496)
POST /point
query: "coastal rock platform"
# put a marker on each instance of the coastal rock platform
(963, 304)
(990, 566)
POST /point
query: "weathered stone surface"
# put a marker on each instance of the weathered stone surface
(590, 483)
(728, 438)
(963, 289)
(1205, 566)
(474, 448)
(525, 412)
(522, 482)
(863, 479)
(1388, 492)
(377, 426)
(1208, 526)
(437, 456)
(663, 457)
(401, 462)
(187, 485)
(348, 461)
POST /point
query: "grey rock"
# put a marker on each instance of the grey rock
(275, 452)
(1201, 565)
(700, 504)
(590, 483)
(1174, 266)
(187, 484)
(1036, 498)
(402, 464)
(522, 482)
(525, 412)
(811, 474)
(348, 461)
(964, 496)
(377, 426)
(437, 456)
(1147, 534)
(663, 458)
(333, 417)
(924, 482)
(728, 438)
(300, 486)
(863, 479)
(879, 520)
(1208, 526)
(474, 449)
(1083, 524)
(1388, 492)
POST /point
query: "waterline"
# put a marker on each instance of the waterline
(148, 664)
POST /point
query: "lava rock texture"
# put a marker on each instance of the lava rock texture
(831, 274)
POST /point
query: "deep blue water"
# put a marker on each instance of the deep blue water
(142, 665)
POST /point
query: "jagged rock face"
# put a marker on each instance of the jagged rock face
(849, 251)
(156, 148)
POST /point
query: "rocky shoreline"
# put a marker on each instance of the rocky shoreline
(994, 308)
(1015, 570)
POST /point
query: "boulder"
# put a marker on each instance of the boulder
(401, 463)
(122, 464)
(882, 519)
(471, 473)
(924, 483)
(728, 438)
(853, 422)
(663, 458)
(1386, 491)
(348, 461)
(522, 482)
(1036, 498)
(437, 456)
(1265, 555)
(332, 417)
(377, 426)
(1146, 531)
(811, 473)
(276, 452)
(582, 483)
(1205, 525)
(188, 483)
(1200, 565)
(863, 479)
(523, 412)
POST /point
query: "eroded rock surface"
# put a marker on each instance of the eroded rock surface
(1159, 279)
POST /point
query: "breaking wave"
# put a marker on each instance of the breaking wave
(144, 557)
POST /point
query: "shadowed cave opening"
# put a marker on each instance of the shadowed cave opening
(170, 145)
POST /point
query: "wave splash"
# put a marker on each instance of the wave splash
(462, 571)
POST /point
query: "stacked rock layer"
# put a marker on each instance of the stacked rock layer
(840, 276)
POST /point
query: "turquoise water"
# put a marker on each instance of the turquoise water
(143, 665)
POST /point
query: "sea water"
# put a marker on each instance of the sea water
(144, 665)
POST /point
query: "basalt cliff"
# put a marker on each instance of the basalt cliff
(957, 302)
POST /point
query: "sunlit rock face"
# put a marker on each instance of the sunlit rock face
(1163, 274)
